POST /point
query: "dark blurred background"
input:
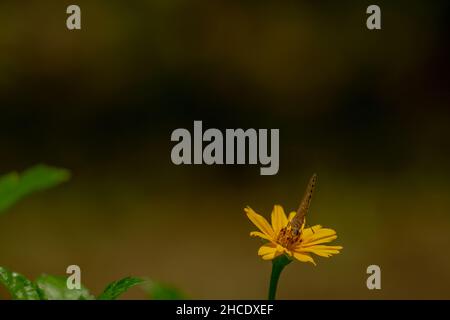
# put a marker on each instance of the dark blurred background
(368, 111)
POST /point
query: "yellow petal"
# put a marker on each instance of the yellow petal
(311, 231)
(279, 219)
(316, 234)
(303, 257)
(260, 222)
(269, 251)
(292, 215)
(271, 256)
(323, 251)
(261, 235)
(319, 241)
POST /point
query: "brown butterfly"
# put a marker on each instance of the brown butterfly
(299, 219)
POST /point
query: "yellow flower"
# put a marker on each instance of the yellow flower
(282, 239)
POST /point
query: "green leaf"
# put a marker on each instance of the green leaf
(18, 286)
(13, 186)
(161, 291)
(116, 288)
(55, 288)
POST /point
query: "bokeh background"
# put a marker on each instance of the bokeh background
(367, 111)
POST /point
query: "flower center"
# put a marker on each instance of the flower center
(287, 238)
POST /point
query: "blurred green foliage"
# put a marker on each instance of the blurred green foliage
(116, 288)
(18, 286)
(14, 186)
(48, 287)
(55, 288)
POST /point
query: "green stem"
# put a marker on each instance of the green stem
(278, 265)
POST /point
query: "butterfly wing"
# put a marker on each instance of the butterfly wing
(299, 218)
